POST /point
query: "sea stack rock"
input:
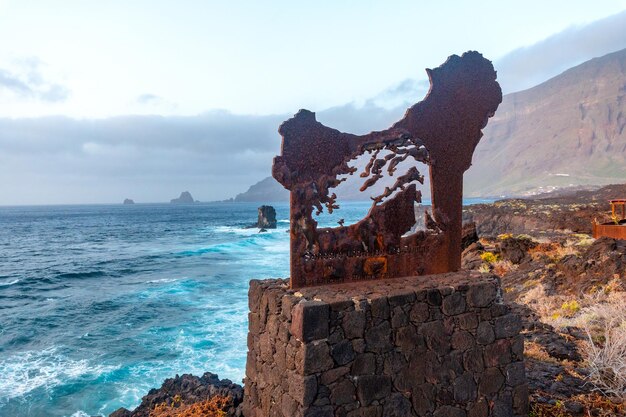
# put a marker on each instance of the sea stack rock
(267, 217)
(185, 198)
(128, 201)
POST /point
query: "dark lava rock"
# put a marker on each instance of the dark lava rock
(468, 234)
(542, 377)
(555, 344)
(515, 249)
(470, 259)
(574, 407)
(190, 389)
(185, 198)
(604, 260)
(605, 246)
(121, 412)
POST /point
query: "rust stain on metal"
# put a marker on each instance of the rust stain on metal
(441, 131)
(375, 266)
(616, 229)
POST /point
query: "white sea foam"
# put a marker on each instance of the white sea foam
(242, 231)
(6, 284)
(23, 373)
(162, 280)
(253, 245)
(275, 243)
(80, 413)
(237, 230)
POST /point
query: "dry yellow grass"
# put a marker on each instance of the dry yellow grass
(534, 350)
(593, 405)
(545, 306)
(602, 316)
(554, 251)
(501, 267)
(605, 349)
(545, 410)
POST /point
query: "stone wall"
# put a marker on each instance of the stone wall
(441, 346)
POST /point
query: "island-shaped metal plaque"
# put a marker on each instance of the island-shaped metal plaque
(441, 131)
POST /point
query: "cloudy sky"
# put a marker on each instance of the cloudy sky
(103, 100)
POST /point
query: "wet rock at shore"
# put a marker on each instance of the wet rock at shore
(187, 390)
(121, 412)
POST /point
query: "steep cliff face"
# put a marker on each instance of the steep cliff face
(567, 130)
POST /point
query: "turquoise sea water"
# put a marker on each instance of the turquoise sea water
(98, 304)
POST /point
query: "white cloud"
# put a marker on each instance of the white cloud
(216, 154)
(28, 81)
(527, 67)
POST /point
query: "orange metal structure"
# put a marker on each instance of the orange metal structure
(617, 228)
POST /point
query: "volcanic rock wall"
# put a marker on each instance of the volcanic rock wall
(436, 346)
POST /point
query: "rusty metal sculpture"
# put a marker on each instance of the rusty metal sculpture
(442, 131)
(615, 229)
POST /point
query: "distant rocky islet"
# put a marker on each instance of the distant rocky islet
(184, 198)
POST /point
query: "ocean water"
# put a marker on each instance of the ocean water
(100, 303)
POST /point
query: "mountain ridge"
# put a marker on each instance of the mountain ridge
(568, 130)
(565, 132)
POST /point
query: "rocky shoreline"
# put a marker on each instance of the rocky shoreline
(545, 215)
